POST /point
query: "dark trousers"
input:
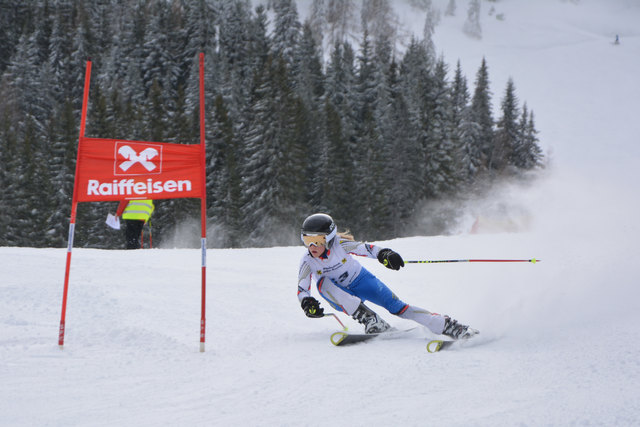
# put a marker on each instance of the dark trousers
(133, 231)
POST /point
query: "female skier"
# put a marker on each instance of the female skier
(346, 285)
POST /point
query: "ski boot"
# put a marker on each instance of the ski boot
(456, 330)
(373, 323)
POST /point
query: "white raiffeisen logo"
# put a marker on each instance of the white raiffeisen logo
(144, 158)
(134, 159)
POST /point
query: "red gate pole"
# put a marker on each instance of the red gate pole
(203, 207)
(74, 208)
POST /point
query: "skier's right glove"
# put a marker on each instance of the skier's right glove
(312, 308)
(390, 259)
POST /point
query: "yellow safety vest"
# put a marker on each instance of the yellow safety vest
(138, 209)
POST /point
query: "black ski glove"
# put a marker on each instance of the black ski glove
(390, 259)
(312, 308)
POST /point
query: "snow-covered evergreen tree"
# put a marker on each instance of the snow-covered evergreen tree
(441, 175)
(429, 29)
(336, 192)
(61, 170)
(451, 8)
(223, 179)
(275, 162)
(318, 22)
(15, 19)
(465, 132)
(472, 26)
(527, 154)
(341, 20)
(481, 115)
(286, 31)
(309, 86)
(403, 166)
(507, 136)
(367, 147)
(416, 79)
(379, 19)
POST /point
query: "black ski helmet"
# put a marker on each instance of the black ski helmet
(319, 224)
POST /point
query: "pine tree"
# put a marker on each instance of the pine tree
(482, 116)
(273, 174)
(310, 82)
(15, 19)
(536, 157)
(337, 181)
(441, 175)
(260, 44)
(465, 132)
(27, 188)
(286, 31)
(429, 29)
(527, 154)
(472, 24)
(367, 161)
(61, 170)
(318, 22)
(507, 135)
(236, 68)
(403, 159)
(379, 19)
(59, 51)
(341, 15)
(451, 8)
(336, 192)
(10, 164)
(199, 32)
(416, 80)
(223, 179)
(309, 77)
(384, 70)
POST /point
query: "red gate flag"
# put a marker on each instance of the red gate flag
(115, 169)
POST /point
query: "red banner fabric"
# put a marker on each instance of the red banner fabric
(115, 169)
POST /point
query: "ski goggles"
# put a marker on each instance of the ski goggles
(314, 240)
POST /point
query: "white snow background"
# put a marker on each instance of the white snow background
(560, 339)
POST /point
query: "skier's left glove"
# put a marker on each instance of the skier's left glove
(390, 259)
(312, 308)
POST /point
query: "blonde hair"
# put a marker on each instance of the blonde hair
(346, 235)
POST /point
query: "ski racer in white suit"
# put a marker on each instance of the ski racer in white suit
(346, 284)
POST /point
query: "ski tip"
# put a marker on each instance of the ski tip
(338, 337)
(434, 346)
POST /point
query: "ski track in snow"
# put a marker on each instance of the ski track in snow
(559, 342)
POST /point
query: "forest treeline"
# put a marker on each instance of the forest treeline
(362, 132)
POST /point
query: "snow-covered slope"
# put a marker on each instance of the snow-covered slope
(559, 341)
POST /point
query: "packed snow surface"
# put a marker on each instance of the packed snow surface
(559, 343)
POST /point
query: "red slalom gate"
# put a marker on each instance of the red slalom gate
(117, 169)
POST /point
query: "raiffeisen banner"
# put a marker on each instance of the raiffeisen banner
(115, 169)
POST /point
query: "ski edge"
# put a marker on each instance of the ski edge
(345, 337)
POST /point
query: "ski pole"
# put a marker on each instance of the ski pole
(336, 317)
(533, 261)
